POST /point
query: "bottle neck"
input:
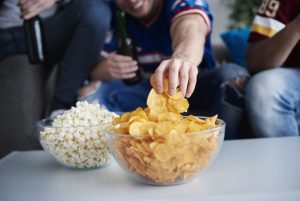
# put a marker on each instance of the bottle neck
(121, 24)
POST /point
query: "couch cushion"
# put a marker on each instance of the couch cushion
(236, 41)
(21, 103)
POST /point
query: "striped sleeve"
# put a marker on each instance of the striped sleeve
(110, 44)
(267, 27)
(272, 17)
(184, 7)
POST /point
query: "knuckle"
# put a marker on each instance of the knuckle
(121, 71)
(159, 70)
(172, 88)
(184, 76)
(119, 66)
(165, 61)
(172, 70)
(172, 83)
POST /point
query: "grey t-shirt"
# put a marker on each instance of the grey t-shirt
(10, 14)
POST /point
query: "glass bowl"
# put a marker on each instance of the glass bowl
(169, 159)
(75, 147)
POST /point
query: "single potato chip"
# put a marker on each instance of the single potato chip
(177, 105)
(155, 112)
(169, 116)
(165, 83)
(196, 119)
(156, 100)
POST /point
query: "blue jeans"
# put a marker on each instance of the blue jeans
(273, 102)
(118, 97)
(213, 95)
(74, 38)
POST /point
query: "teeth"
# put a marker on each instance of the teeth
(140, 3)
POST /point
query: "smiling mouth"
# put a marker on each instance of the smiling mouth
(138, 5)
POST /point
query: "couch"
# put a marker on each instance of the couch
(25, 95)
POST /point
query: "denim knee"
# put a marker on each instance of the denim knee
(95, 14)
(270, 104)
(258, 91)
(229, 71)
(262, 89)
(264, 95)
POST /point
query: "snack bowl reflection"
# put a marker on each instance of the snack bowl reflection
(166, 159)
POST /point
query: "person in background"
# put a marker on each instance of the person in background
(273, 93)
(75, 31)
(172, 40)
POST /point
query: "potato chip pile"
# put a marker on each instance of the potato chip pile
(163, 146)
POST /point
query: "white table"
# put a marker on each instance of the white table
(245, 170)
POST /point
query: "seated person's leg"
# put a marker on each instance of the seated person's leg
(74, 37)
(118, 97)
(273, 104)
(215, 94)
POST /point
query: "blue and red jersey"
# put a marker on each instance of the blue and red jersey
(271, 18)
(153, 40)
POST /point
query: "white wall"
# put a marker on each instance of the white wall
(221, 21)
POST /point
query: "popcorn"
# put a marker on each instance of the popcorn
(76, 137)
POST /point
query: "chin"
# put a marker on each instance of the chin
(141, 12)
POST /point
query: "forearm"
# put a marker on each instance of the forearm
(188, 35)
(272, 52)
(188, 38)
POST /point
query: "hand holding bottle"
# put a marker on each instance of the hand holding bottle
(120, 67)
(126, 46)
(35, 39)
(30, 8)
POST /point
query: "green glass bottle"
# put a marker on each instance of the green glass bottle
(125, 45)
(35, 38)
